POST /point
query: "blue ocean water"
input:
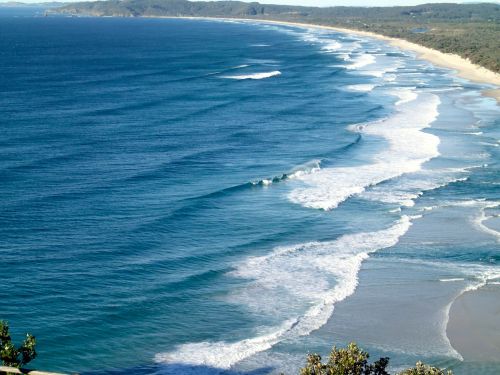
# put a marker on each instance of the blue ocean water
(186, 196)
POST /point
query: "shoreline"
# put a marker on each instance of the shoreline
(473, 320)
(473, 315)
(463, 68)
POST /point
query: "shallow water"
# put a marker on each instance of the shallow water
(177, 201)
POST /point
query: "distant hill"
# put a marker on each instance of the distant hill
(469, 30)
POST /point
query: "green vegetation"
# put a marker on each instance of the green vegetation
(344, 361)
(469, 30)
(349, 361)
(12, 356)
(422, 369)
(354, 361)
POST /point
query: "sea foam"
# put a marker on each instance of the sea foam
(255, 75)
(478, 221)
(409, 148)
(332, 46)
(307, 168)
(319, 274)
(405, 190)
(361, 87)
(361, 61)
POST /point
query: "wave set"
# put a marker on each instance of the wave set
(317, 275)
(297, 269)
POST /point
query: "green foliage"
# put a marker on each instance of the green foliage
(422, 369)
(349, 361)
(354, 361)
(12, 356)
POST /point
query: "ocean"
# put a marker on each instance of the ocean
(224, 197)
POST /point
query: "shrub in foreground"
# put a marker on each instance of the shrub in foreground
(423, 369)
(354, 361)
(349, 361)
(12, 356)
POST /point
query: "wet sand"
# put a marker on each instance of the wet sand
(474, 324)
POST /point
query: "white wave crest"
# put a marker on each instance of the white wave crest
(362, 61)
(409, 148)
(479, 220)
(361, 87)
(303, 272)
(390, 77)
(332, 46)
(405, 95)
(299, 171)
(311, 167)
(343, 56)
(255, 75)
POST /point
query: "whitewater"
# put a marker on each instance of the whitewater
(188, 203)
(304, 272)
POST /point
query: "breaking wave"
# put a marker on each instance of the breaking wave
(361, 87)
(316, 274)
(362, 61)
(300, 171)
(409, 148)
(263, 75)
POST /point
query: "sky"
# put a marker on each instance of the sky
(320, 3)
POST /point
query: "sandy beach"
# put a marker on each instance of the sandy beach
(463, 67)
(224, 196)
(473, 326)
(474, 317)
